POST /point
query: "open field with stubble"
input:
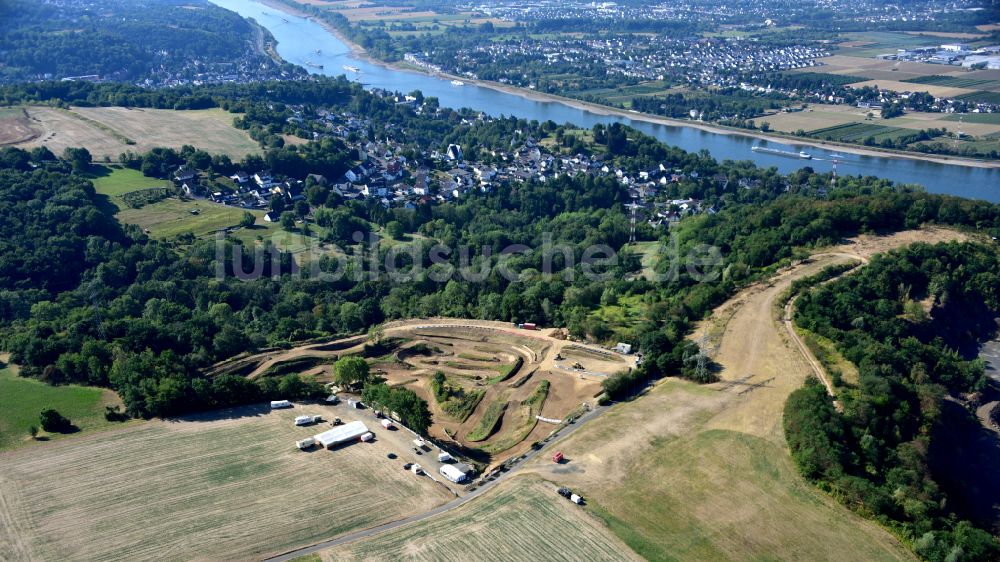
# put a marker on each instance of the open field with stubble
(225, 486)
(523, 519)
(109, 131)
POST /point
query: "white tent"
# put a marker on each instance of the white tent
(451, 473)
(341, 434)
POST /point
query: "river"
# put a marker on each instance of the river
(305, 42)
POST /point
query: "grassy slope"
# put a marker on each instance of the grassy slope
(22, 399)
(706, 493)
(114, 182)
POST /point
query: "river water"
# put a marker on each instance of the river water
(305, 42)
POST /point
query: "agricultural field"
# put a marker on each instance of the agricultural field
(983, 97)
(899, 86)
(957, 82)
(880, 69)
(22, 399)
(818, 119)
(232, 482)
(523, 519)
(858, 132)
(873, 43)
(109, 131)
(15, 127)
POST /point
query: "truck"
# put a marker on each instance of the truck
(529, 326)
(417, 469)
(576, 499)
(558, 457)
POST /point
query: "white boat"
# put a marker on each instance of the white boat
(350, 68)
(805, 155)
(457, 83)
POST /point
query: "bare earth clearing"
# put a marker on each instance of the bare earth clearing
(475, 356)
(107, 131)
(201, 488)
(708, 464)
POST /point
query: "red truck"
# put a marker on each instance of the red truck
(558, 457)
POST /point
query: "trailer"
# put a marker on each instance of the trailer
(306, 443)
(367, 437)
(529, 326)
(308, 420)
(445, 457)
(276, 404)
(387, 424)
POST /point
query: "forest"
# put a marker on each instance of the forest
(910, 321)
(124, 40)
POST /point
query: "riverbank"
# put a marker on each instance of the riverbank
(359, 52)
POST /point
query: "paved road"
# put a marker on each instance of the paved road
(457, 502)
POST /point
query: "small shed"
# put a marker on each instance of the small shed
(275, 404)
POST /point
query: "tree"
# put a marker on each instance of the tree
(351, 371)
(277, 203)
(248, 220)
(288, 220)
(33, 430)
(54, 422)
(79, 158)
(301, 208)
(394, 229)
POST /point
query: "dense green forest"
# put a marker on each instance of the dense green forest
(125, 40)
(904, 320)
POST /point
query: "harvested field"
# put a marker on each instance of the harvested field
(823, 116)
(523, 519)
(880, 69)
(15, 127)
(899, 86)
(229, 486)
(109, 131)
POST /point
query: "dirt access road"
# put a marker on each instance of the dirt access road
(267, 360)
(760, 358)
(709, 463)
